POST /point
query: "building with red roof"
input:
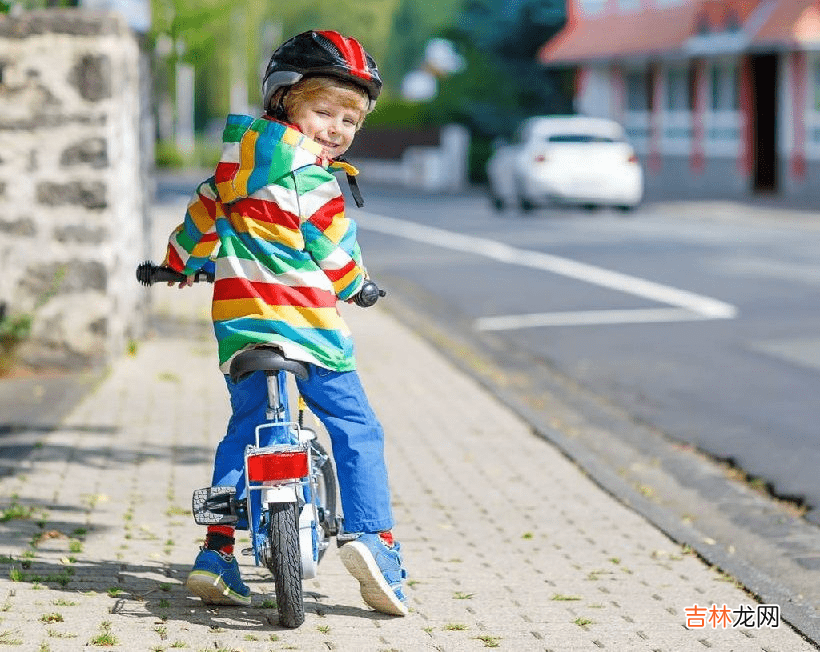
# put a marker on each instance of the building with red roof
(721, 97)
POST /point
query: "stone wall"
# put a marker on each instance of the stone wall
(73, 217)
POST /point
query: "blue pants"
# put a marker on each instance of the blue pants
(357, 440)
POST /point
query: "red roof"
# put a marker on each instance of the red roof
(655, 31)
(792, 22)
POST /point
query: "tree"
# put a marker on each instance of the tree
(504, 82)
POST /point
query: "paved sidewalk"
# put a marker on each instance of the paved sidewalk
(508, 544)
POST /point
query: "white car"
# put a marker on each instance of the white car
(569, 160)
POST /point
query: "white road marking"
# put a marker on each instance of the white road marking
(587, 318)
(691, 306)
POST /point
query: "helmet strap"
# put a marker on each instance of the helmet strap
(354, 190)
(353, 184)
(278, 111)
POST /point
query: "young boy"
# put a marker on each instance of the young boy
(273, 215)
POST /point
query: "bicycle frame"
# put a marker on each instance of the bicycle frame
(283, 472)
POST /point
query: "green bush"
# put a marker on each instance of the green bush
(205, 155)
(14, 330)
(390, 112)
(166, 155)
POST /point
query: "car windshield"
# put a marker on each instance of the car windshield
(579, 138)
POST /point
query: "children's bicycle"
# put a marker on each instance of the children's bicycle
(287, 469)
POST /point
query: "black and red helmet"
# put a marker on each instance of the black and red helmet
(324, 53)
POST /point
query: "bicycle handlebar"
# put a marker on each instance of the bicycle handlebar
(148, 273)
(368, 294)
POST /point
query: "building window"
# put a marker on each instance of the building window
(677, 89)
(725, 87)
(638, 90)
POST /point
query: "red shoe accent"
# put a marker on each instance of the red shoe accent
(387, 537)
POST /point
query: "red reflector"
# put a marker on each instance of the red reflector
(633, 159)
(277, 466)
(540, 158)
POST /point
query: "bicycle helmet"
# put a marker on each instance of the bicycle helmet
(324, 53)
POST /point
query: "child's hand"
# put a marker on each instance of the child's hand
(188, 282)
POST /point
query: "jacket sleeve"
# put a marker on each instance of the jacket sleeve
(194, 241)
(330, 236)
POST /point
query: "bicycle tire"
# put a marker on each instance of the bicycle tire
(326, 480)
(285, 563)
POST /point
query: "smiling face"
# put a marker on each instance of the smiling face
(327, 112)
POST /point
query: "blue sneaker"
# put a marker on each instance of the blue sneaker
(215, 579)
(379, 571)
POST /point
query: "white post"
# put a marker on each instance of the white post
(185, 108)
(238, 52)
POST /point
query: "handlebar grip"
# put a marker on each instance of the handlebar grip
(368, 294)
(148, 273)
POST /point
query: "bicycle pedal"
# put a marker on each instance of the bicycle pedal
(247, 552)
(214, 506)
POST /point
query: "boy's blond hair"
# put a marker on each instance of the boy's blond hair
(346, 93)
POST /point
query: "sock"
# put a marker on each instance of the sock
(220, 537)
(387, 537)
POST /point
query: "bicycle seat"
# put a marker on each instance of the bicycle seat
(264, 359)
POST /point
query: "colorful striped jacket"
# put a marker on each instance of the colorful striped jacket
(273, 216)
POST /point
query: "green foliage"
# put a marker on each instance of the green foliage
(14, 330)
(166, 155)
(6, 5)
(205, 155)
(16, 511)
(391, 112)
(226, 41)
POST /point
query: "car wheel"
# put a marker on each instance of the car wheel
(498, 203)
(625, 209)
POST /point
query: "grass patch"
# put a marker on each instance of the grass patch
(560, 597)
(105, 638)
(52, 618)
(16, 511)
(8, 637)
(53, 633)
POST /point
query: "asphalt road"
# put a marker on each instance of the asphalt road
(700, 320)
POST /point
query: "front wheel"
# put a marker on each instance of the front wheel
(285, 563)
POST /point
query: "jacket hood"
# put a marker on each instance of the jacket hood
(259, 151)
